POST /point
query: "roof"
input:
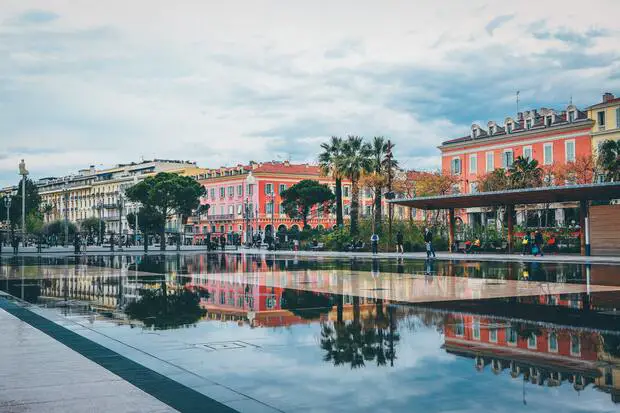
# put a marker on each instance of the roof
(519, 127)
(604, 104)
(568, 193)
(280, 167)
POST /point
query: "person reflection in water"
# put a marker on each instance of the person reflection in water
(375, 267)
(428, 266)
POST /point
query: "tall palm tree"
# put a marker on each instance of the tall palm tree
(356, 160)
(379, 150)
(332, 150)
(525, 173)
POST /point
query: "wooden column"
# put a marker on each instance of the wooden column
(583, 213)
(451, 228)
(509, 225)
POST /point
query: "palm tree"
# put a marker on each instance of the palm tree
(609, 160)
(356, 160)
(379, 150)
(525, 173)
(332, 150)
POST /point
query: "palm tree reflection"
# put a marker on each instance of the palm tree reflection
(358, 342)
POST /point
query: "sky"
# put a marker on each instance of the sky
(219, 83)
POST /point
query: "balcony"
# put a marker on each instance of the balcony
(221, 217)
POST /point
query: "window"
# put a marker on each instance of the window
(455, 166)
(509, 127)
(548, 154)
(511, 336)
(222, 192)
(528, 123)
(281, 209)
(282, 188)
(269, 207)
(473, 187)
(231, 209)
(507, 158)
(553, 342)
(490, 165)
(212, 193)
(571, 116)
(575, 346)
(268, 189)
(239, 209)
(569, 147)
(476, 329)
(491, 130)
(222, 210)
(239, 190)
(459, 327)
(548, 120)
(231, 191)
(250, 189)
(531, 341)
(527, 152)
(493, 335)
(600, 116)
(618, 118)
(345, 191)
(367, 210)
(473, 164)
(347, 210)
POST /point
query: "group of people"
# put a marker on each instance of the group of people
(532, 244)
(428, 241)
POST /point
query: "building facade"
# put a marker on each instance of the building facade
(549, 136)
(606, 118)
(99, 193)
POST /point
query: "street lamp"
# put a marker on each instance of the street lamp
(7, 205)
(24, 173)
(250, 180)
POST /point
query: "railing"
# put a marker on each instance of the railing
(221, 217)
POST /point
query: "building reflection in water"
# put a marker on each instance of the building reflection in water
(354, 331)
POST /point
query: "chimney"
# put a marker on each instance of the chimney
(287, 163)
(520, 116)
(608, 97)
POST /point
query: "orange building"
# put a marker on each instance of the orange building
(549, 136)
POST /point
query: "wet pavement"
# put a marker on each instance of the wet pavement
(268, 333)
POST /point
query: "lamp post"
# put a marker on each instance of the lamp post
(250, 181)
(65, 195)
(24, 173)
(7, 205)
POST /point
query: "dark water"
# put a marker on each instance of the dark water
(304, 351)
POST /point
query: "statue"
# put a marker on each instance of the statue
(22, 168)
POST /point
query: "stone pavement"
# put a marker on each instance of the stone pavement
(199, 249)
(39, 374)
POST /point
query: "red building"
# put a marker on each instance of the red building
(549, 136)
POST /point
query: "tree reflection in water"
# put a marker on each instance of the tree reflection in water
(356, 343)
(161, 311)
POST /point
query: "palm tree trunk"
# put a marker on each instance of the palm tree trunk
(355, 201)
(378, 211)
(339, 217)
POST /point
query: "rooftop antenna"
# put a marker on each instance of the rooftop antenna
(570, 102)
(518, 101)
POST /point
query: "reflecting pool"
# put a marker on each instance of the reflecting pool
(315, 335)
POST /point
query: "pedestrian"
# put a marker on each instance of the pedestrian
(527, 240)
(223, 242)
(538, 242)
(399, 242)
(428, 239)
(374, 242)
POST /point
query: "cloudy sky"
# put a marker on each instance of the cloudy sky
(102, 82)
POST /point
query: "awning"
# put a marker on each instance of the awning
(545, 195)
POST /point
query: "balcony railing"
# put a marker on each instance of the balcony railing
(221, 217)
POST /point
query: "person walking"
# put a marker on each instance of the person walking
(428, 240)
(399, 242)
(538, 243)
(527, 240)
(374, 242)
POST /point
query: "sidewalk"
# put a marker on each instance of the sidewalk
(201, 249)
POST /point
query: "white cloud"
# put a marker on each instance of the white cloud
(223, 82)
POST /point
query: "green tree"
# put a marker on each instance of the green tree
(609, 160)
(379, 152)
(91, 227)
(328, 160)
(167, 194)
(525, 173)
(299, 199)
(497, 180)
(33, 202)
(356, 160)
(57, 228)
(149, 222)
